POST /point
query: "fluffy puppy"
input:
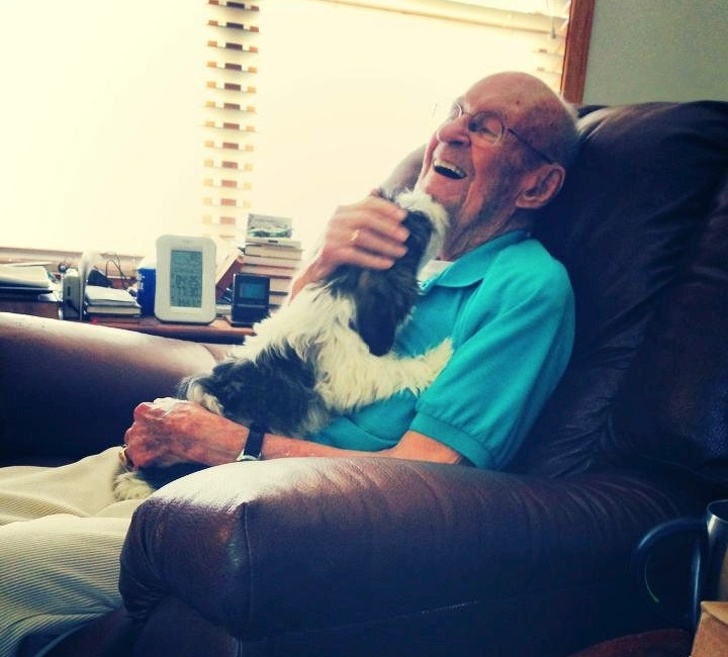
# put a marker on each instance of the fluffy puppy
(327, 352)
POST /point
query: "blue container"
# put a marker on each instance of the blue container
(147, 277)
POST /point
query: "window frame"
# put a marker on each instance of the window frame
(578, 38)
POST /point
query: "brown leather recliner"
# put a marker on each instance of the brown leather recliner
(383, 557)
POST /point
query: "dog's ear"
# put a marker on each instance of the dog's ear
(377, 317)
(384, 298)
(277, 390)
(375, 323)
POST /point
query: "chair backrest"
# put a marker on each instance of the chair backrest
(642, 227)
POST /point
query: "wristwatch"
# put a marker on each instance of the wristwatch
(253, 444)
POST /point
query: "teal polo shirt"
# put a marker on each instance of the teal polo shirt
(508, 308)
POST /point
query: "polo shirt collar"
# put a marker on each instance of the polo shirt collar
(470, 268)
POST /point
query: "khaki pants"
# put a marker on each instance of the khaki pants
(61, 533)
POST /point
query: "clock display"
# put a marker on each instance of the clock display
(185, 278)
(252, 290)
(185, 285)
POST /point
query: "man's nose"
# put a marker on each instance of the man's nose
(454, 130)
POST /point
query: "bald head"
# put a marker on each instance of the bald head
(539, 114)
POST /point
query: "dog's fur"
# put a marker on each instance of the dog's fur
(327, 351)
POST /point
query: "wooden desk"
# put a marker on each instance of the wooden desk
(711, 638)
(43, 305)
(219, 331)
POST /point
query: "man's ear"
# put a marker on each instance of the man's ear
(541, 186)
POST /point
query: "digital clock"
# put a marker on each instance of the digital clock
(250, 299)
(185, 285)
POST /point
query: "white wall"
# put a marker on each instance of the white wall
(644, 50)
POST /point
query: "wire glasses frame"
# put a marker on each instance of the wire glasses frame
(487, 127)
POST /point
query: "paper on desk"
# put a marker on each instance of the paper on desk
(24, 276)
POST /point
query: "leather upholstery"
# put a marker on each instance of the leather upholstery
(642, 231)
(68, 389)
(381, 557)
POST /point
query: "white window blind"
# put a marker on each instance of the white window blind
(124, 121)
(229, 115)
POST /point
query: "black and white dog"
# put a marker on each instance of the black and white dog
(327, 352)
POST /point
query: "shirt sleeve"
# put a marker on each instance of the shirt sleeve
(512, 341)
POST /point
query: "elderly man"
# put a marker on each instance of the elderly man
(506, 305)
(504, 302)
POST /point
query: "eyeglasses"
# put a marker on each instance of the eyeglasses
(488, 128)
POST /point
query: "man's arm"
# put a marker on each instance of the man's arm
(169, 431)
(405, 174)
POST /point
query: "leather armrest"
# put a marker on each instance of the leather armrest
(68, 389)
(278, 546)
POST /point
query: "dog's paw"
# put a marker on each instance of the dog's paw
(437, 357)
(421, 371)
(130, 486)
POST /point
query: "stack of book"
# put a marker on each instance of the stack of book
(269, 250)
(106, 301)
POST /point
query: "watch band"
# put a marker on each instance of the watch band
(254, 444)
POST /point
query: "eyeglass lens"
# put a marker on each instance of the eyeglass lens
(489, 127)
(486, 125)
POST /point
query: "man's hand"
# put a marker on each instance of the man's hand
(169, 431)
(367, 234)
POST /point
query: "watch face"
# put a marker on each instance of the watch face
(185, 278)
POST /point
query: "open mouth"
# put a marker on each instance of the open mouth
(448, 170)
